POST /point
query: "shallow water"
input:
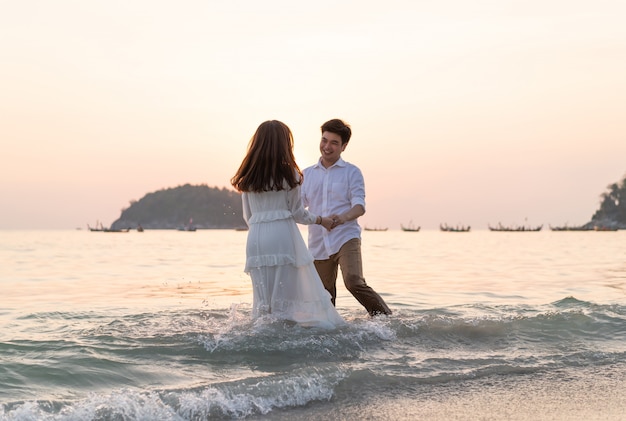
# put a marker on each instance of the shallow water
(156, 325)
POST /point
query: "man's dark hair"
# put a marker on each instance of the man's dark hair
(338, 127)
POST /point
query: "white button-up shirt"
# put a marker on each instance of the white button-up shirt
(329, 191)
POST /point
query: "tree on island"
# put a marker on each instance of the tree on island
(612, 211)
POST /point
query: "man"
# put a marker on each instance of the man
(335, 187)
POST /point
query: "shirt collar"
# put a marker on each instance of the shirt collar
(340, 163)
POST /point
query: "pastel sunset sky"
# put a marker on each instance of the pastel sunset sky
(463, 112)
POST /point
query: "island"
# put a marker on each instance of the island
(188, 207)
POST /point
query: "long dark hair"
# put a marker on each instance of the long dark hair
(269, 163)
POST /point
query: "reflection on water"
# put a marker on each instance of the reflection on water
(539, 267)
(425, 269)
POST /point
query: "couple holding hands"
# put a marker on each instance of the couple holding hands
(291, 281)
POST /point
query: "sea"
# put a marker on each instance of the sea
(156, 325)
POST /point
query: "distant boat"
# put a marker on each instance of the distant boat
(604, 228)
(461, 228)
(375, 229)
(100, 228)
(188, 227)
(410, 228)
(585, 227)
(522, 228)
(568, 228)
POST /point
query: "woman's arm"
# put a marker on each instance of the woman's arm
(302, 215)
(247, 213)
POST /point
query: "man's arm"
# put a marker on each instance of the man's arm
(355, 212)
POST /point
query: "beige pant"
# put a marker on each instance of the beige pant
(348, 258)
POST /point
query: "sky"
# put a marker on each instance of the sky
(463, 112)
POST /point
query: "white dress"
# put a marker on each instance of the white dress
(285, 282)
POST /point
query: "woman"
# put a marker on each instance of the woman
(285, 283)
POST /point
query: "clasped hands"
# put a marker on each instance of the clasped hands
(330, 222)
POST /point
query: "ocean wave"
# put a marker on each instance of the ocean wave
(227, 400)
(204, 363)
